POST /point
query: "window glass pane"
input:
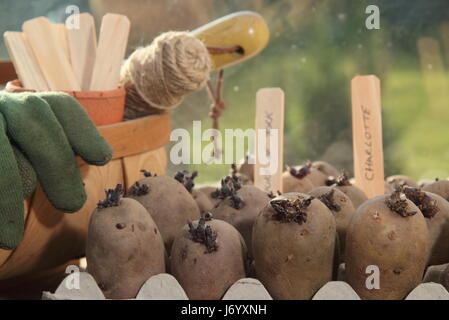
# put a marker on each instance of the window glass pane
(316, 47)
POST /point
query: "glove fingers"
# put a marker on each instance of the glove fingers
(27, 173)
(81, 133)
(11, 201)
(35, 129)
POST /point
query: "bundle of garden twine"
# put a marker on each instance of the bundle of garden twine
(158, 76)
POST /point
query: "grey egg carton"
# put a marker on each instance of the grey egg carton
(159, 287)
(165, 287)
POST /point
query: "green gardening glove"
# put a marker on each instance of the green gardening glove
(27, 173)
(47, 129)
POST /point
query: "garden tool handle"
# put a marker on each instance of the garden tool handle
(234, 38)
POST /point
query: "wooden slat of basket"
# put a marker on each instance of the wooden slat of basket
(158, 161)
(149, 133)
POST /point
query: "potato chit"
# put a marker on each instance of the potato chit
(201, 199)
(343, 184)
(326, 168)
(168, 202)
(293, 246)
(240, 205)
(439, 187)
(341, 207)
(207, 257)
(124, 246)
(209, 192)
(297, 180)
(399, 180)
(390, 233)
(436, 211)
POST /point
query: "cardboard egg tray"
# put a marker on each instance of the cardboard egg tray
(82, 286)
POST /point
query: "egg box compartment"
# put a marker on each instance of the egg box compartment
(82, 286)
(164, 286)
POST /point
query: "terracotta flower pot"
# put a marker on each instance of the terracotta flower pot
(103, 107)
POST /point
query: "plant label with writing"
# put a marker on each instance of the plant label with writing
(367, 135)
(269, 139)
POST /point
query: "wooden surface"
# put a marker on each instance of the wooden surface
(111, 51)
(52, 58)
(83, 49)
(24, 61)
(367, 135)
(269, 116)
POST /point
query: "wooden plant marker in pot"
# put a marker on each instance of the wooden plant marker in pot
(111, 51)
(83, 47)
(367, 135)
(61, 38)
(50, 55)
(269, 133)
(24, 61)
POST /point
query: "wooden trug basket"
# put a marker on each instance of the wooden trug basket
(53, 238)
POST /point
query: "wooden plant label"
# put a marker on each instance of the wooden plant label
(50, 55)
(27, 68)
(367, 135)
(111, 49)
(269, 139)
(83, 48)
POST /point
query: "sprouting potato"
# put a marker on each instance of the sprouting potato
(201, 199)
(354, 193)
(293, 246)
(316, 176)
(300, 179)
(207, 257)
(439, 187)
(341, 207)
(390, 233)
(436, 211)
(168, 202)
(326, 168)
(124, 246)
(240, 206)
(399, 180)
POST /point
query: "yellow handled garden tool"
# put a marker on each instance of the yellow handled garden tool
(230, 40)
(234, 38)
